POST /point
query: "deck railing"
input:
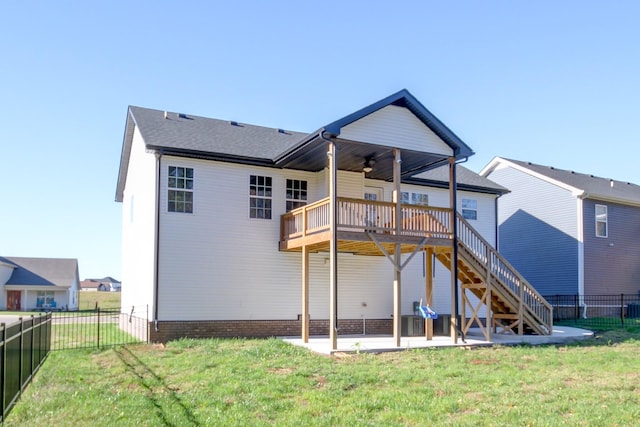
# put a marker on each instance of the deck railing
(366, 215)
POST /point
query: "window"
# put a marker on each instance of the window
(180, 196)
(260, 190)
(296, 193)
(470, 209)
(45, 299)
(414, 198)
(419, 199)
(601, 221)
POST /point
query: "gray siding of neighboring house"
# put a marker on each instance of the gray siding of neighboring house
(537, 231)
(612, 263)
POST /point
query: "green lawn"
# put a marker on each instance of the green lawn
(268, 382)
(88, 335)
(87, 300)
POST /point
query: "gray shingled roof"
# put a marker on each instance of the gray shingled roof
(205, 135)
(595, 187)
(201, 134)
(466, 179)
(42, 271)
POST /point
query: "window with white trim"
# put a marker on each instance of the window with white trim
(260, 193)
(180, 191)
(601, 221)
(470, 209)
(296, 193)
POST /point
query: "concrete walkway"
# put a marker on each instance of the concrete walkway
(380, 343)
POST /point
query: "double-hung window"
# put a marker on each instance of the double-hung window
(470, 209)
(260, 193)
(180, 195)
(296, 194)
(601, 221)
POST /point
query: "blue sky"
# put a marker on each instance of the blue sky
(555, 83)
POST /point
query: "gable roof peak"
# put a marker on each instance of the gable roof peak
(404, 98)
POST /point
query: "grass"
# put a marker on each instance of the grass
(268, 382)
(87, 300)
(79, 335)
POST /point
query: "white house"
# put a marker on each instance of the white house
(38, 283)
(231, 229)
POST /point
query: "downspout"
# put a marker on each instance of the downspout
(454, 252)
(497, 236)
(156, 253)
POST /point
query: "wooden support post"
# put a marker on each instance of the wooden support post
(333, 246)
(521, 309)
(397, 281)
(488, 308)
(429, 291)
(305, 294)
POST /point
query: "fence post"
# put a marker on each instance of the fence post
(3, 360)
(577, 306)
(21, 359)
(622, 310)
(98, 310)
(33, 341)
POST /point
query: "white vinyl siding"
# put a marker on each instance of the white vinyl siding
(138, 230)
(232, 269)
(396, 127)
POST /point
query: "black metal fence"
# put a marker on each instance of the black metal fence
(596, 311)
(99, 328)
(24, 345)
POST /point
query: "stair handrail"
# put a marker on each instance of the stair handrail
(505, 272)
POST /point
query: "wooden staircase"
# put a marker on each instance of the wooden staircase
(512, 304)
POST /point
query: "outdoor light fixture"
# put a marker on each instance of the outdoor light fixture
(368, 164)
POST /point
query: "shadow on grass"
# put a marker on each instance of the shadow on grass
(156, 386)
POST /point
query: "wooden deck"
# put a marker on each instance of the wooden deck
(363, 226)
(367, 227)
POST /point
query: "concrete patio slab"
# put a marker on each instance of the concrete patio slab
(384, 343)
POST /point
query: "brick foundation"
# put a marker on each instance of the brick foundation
(171, 330)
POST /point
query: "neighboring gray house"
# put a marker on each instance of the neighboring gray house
(568, 232)
(38, 283)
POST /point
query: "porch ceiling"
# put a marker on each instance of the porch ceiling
(352, 156)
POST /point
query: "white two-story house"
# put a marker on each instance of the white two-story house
(231, 229)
